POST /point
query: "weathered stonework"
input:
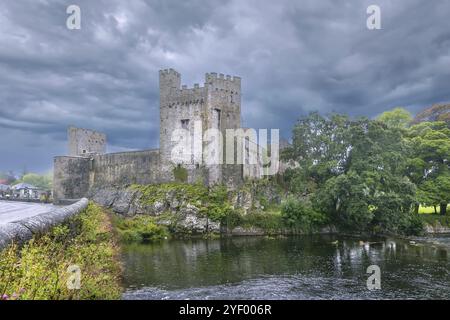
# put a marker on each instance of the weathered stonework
(216, 104)
(85, 142)
(71, 178)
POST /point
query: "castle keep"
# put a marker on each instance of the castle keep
(215, 105)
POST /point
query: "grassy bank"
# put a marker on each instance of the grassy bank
(139, 229)
(431, 210)
(42, 269)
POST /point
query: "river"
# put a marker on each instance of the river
(307, 267)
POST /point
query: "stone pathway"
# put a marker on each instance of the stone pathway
(11, 211)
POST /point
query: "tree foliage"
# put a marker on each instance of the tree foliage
(428, 165)
(397, 118)
(357, 170)
(40, 181)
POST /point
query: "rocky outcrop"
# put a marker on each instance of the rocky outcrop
(192, 223)
(250, 231)
(23, 230)
(255, 195)
(185, 215)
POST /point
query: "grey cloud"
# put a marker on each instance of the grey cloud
(293, 57)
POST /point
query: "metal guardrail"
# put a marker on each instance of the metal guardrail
(23, 230)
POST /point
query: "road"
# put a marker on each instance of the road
(11, 211)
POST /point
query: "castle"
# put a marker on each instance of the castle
(216, 105)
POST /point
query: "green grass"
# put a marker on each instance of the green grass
(430, 210)
(428, 216)
(139, 229)
(39, 269)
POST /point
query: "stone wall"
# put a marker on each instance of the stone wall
(76, 177)
(138, 167)
(71, 178)
(232, 175)
(180, 108)
(83, 142)
(23, 230)
(224, 94)
(216, 105)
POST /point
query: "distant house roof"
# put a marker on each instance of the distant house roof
(20, 186)
(4, 187)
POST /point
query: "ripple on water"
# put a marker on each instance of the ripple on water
(272, 288)
(289, 269)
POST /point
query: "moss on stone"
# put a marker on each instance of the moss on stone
(210, 202)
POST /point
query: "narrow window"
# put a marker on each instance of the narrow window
(185, 123)
(217, 118)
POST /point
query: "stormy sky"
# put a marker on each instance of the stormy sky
(293, 57)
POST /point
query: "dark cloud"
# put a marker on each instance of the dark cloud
(293, 57)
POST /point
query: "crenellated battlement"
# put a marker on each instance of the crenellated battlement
(223, 82)
(196, 88)
(171, 88)
(212, 76)
(169, 72)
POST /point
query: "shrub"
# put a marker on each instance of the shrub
(139, 229)
(271, 222)
(296, 214)
(414, 226)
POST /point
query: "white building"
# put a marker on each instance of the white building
(26, 191)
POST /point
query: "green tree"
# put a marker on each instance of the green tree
(40, 181)
(299, 215)
(357, 167)
(398, 117)
(320, 147)
(428, 167)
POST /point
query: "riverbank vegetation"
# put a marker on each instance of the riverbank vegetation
(370, 175)
(139, 229)
(47, 267)
(434, 220)
(352, 175)
(183, 210)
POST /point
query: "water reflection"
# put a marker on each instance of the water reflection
(285, 268)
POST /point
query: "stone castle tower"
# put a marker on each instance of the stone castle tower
(85, 142)
(216, 104)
